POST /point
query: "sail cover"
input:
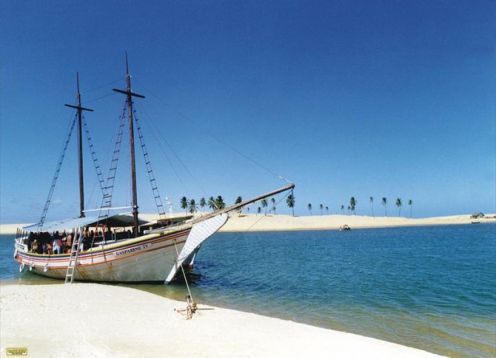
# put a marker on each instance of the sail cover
(116, 220)
(199, 233)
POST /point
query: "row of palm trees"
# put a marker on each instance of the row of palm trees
(190, 205)
(353, 202)
(398, 204)
(265, 205)
(218, 203)
(213, 203)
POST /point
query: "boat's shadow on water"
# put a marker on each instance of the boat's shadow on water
(29, 278)
(176, 289)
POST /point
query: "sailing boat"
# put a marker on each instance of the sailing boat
(150, 252)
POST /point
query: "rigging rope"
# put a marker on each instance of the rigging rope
(191, 305)
(96, 163)
(250, 159)
(99, 98)
(109, 184)
(257, 163)
(156, 130)
(149, 169)
(265, 215)
(101, 86)
(56, 175)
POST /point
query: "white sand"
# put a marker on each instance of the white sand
(262, 222)
(91, 320)
(255, 222)
(10, 228)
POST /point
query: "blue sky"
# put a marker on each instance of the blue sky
(345, 98)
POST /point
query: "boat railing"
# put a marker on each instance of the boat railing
(21, 241)
(21, 235)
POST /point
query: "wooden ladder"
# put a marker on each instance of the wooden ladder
(71, 267)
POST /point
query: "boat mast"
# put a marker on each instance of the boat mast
(80, 110)
(129, 98)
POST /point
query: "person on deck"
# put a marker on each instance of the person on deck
(49, 249)
(84, 241)
(68, 243)
(59, 244)
(34, 246)
(55, 246)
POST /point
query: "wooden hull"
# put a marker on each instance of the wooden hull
(146, 258)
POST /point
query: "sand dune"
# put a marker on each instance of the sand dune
(92, 320)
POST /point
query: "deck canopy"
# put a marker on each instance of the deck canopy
(116, 220)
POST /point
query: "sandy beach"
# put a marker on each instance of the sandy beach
(92, 320)
(6, 229)
(254, 222)
(334, 222)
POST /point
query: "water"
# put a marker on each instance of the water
(432, 288)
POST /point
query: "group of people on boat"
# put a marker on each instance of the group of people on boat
(46, 243)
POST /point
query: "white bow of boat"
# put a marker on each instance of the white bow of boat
(198, 234)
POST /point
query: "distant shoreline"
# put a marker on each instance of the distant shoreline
(244, 223)
(261, 222)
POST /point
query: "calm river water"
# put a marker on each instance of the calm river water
(432, 288)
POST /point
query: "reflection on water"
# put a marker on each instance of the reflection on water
(433, 288)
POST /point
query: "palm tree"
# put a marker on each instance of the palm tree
(202, 203)
(259, 210)
(410, 203)
(291, 202)
(184, 203)
(353, 204)
(384, 202)
(192, 206)
(239, 200)
(327, 210)
(321, 209)
(349, 210)
(309, 206)
(219, 202)
(264, 205)
(372, 205)
(342, 209)
(211, 203)
(398, 204)
(273, 201)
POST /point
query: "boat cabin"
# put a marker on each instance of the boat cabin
(57, 237)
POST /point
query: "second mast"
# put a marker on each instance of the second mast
(130, 94)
